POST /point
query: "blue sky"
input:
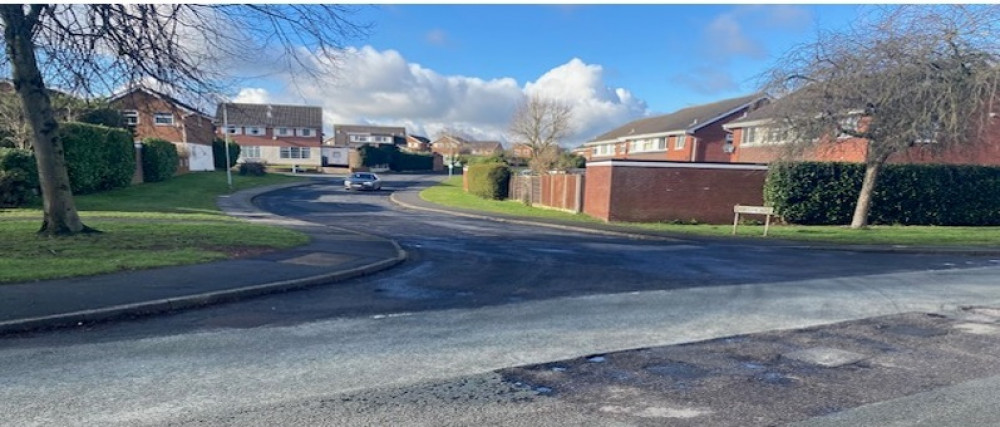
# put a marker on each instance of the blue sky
(464, 67)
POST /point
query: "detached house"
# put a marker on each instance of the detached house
(275, 134)
(453, 145)
(692, 134)
(154, 115)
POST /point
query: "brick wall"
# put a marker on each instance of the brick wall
(666, 191)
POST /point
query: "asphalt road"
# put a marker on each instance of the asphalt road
(476, 296)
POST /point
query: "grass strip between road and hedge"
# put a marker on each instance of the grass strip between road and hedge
(450, 193)
(160, 224)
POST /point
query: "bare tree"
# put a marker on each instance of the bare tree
(186, 49)
(540, 124)
(905, 76)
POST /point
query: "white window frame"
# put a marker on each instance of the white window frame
(849, 122)
(749, 136)
(256, 131)
(234, 130)
(250, 151)
(162, 115)
(294, 153)
(283, 132)
(131, 117)
(679, 142)
(305, 132)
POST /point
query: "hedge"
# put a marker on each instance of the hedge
(98, 158)
(219, 153)
(374, 155)
(489, 180)
(159, 160)
(18, 177)
(825, 193)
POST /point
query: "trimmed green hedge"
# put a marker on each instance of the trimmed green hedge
(219, 153)
(98, 158)
(825, 193)
(18, 177)
(374, 155)
(489, 180)
(159, 160)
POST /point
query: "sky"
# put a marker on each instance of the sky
(465, 67)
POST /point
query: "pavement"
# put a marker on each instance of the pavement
(82, 300)
(325, 260)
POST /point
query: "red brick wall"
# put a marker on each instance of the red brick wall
(597, 192)
(661, 191)
(712, 139)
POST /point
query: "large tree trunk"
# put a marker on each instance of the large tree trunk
(60, 215)
(873, 166)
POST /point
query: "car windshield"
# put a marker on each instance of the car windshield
(363, 176)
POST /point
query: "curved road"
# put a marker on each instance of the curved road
(475, 296)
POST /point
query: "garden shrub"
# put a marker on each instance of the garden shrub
(817, 193)
(219, 153)
(253, 169)
(18, 177)
(401, 161)
(489, 180)
(98, 158)
(159, 160)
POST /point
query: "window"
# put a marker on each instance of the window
(604, 150)
(233, 130)
(283, 132)
(250, 151)
(294, 153)
(679, 141)
(255, 131)
(163, 119)
(661, 143)
(131, 117)
(305, 132)
(749, 136)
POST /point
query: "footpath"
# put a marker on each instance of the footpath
(83, 300)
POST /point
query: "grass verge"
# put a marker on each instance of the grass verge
(150, 225)
(449, 193)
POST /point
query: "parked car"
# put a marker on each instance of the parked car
(363, 181)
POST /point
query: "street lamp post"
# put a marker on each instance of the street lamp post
(225, 132)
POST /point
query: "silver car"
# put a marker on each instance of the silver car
(362, 181)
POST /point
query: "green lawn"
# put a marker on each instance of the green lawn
(449, 193)
(148, 225)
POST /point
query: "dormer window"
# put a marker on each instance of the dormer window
(233, 130)
(305, 132)
(283, 132)
(255, 131)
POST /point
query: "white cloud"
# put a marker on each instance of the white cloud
(382, 87)
(253, 95)
(437, 37)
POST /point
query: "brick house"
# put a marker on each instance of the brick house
(693, 134)
(448, 145)
(755, 141)
(485, 148)
(354, 136)
(418, 144)
(283, 135)
(154, 115)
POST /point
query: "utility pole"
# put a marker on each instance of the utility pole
(225, 131)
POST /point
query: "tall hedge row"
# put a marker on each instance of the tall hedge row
(18, 177)
(219, 153)
(159, 160)
(98, 158)
(826, 193)
(489, 180)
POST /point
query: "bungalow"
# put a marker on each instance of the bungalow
(151, 114)
(756, 140)
(274, 134)
(692, 134)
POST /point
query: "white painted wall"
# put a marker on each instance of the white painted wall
(200, 157)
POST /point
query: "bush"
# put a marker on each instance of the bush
(219, 153)
(109, 117)
(372, 155)
(253, 169)
(18, 177)
(826, 193)
(489, 180)
(159, 160)
(98, 158)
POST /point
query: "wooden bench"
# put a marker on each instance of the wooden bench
(752, 210)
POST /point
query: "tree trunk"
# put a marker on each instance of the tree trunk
(873, 166)
(60, 215)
